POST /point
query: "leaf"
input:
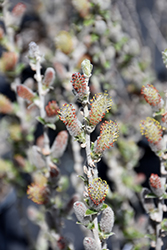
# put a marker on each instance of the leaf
(151, 236)
(90, 212)
(164, 195)
(91, 226)
(82, 178)
(41, 120)
(87, 201)
(162, 111)
(88, 22)
(151, 195)
(55, 160)
(104, 206)
(94, 37)
(51, 125)
(105, 235)
(79, 223)
(19, 68)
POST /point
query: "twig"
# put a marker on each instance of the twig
(42, 111)
(95, 233)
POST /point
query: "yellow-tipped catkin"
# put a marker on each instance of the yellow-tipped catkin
(100, 104)
(68, 116)
(5, 105)
(152, 130)
(156, 185)
(97, 191)
(152, 96)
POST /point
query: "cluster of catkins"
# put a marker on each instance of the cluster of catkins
(99, 105)
(153, 131)
(96, 188)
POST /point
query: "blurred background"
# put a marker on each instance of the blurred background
(124, 40)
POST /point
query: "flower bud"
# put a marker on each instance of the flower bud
(156, 185)
(52, 109)
(89, 243)
(38, 191)
(82, 6)
(38, 194)
(164, 120)
(80, 210)
(15, 132)
(33, 52)
(64, 42)
(151, 128)
(97, 191)
(86, 67)
(19, 9)
(5, 105)
(8, 61)
(62, 243)
(49, 77)
(100, 104)
(1, 33)
(107, 220)
(25, 93)
(54, 174)
(68, 116)
(109, 133)
(152, 96)
(59, 144)
(80, 87)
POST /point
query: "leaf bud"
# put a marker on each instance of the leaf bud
(86, 67)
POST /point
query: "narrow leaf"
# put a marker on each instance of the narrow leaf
(90, 212)
(51, 125)
(41, 120)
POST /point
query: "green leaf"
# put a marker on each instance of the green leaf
(162, 111)
(19, 68)
(164, 195)
(107, 65)
(91, 226)
(151, 236)
(82, 178)
(63, 184)
(87, 201)
(118, 46)
(164, 225)
(94, 37)
(90, 212)
(30, 137)
(105, 235)
(55, 160)
(88, 22)
(79, 223)
(41, 120)
(151, 195)
(104, 206)
(51, 125)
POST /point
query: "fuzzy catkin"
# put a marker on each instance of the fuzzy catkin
(89, 243)
(107, 220)
(80, 210)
